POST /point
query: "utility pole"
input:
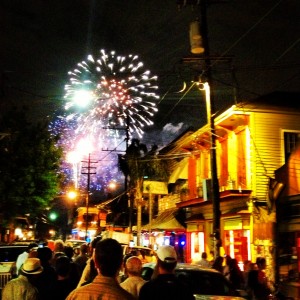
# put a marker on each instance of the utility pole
(211, 118)
(87, 198)
(128, 194)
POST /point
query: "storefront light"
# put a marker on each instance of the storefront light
(167, 241)
(231, 243)
(159, 240)
(81, 234)
(18, 232)
(92, 233)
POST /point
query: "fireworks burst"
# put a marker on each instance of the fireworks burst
(111, 91)
(76, 147)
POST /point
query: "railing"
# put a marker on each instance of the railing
(4, 279)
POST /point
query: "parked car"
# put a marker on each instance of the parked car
(8, 258)
(75, 243)
(205, 283)
(140, 251)
(10, 253)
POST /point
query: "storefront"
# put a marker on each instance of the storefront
(165, 229)
(236, 238)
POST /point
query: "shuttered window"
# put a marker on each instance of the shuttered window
(290, 141)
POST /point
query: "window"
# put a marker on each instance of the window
(241, 160)
(290, 141)
(223, 163)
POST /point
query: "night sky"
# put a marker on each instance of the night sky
(42, 40)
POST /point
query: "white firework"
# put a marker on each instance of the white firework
(111, 91)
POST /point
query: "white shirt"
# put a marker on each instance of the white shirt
(133, 285)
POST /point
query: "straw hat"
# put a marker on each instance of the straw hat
(32, 266)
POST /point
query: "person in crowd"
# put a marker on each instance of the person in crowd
(55, 256)
(122, 274)
(57, 249)
(134, 281)
(90, 271)
(58, 246)
(235, 275)
(63, 285)
(23, 287)
(69, 252)
(165, 285)
(264, 282)
(23, 256)
(218, 264)
(75, 273)
(247, 266)
(33, 252)
(203, 262)
(108, 256)
(226, 269)
(250, 273)
(259, 286)
(142, 256)
(47, 278)
(82, 258)
(212, 257)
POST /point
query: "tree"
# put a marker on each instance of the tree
(29, 165)
(138, 163)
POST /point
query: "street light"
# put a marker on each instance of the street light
(213, 160)
(196, 38)
(200, 45)
(72, 195)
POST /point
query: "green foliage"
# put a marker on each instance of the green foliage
(138, 163)
(29, 165)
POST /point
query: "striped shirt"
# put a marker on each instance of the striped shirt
(102, 288)
(19, 289)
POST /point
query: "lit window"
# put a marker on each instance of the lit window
(290, 141)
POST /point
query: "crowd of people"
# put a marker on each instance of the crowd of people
(252, 280)
(96, 271)
(100, 271)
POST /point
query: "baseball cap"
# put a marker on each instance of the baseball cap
(167, 254)
(32, 266)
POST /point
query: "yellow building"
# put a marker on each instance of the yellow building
(252, 141)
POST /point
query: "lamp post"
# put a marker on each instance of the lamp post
(213, 163)
(200, 45)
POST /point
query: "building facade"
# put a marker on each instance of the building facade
(253, 139)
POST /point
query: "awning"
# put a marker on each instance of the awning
(180, 172)
(165, 221)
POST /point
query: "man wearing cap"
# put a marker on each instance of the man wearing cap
(165, 285)
(22, 287)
